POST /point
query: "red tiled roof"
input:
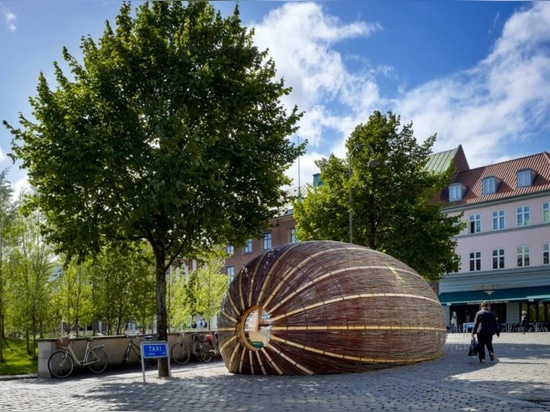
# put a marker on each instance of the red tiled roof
(505, 171)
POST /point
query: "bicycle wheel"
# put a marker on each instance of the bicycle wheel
(97, 360)
(180, 353)
(197, 350)
(151, 362)
(60, 364)
(206, 354)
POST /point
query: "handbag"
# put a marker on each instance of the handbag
(472, 349)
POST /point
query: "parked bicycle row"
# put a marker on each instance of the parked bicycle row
(62, 362)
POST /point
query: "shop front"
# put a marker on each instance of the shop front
(507, 304)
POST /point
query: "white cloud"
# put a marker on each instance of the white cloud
(301, 39)
(9, 17)
(495, 104)
(20, 187)
(490, 108)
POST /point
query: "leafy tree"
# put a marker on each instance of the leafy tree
(123, 286)
(29, 268)
(210, 287)
(7, 214)
(74, 291)
(179, 308)
(199, 292)
(393, 205)
(172, 130)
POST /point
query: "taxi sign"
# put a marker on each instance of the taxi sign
(154, 349)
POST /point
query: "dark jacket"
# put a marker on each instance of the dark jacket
(524, 321)
(485, 322)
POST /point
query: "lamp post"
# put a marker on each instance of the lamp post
(372, 164)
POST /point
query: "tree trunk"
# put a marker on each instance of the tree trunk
(162, 321)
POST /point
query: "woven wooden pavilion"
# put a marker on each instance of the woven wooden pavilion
(326, 307)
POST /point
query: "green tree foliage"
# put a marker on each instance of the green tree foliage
(29, 270)
(124, 287)
(209, 287)
(180, 301)
(172, 130)
(199, 292)
(74, 292)
(394, 206)
(7, 217)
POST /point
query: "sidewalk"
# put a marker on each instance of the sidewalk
(519, 379)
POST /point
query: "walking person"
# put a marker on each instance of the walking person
(524, 322)
(485, 326)
(454, 323)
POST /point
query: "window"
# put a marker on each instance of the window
(248, 246)
(229, 250)
(475, 261)
(524, 177)
(267, 240)
(230, 271)
(292, 235)
(455, 192)
(546, 253)
(546, 212)
(489, 185)
(498, 220)
(523, 216)
(522, 255)
(475, 223)
(498, 259)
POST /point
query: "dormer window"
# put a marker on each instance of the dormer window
(456, 191)
(490, 185)
(525, 177)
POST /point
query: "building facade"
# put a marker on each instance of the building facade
(281, 232)
(504, 248)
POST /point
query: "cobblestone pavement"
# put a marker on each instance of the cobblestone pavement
(518, 380)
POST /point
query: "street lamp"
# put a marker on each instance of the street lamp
(371, 165)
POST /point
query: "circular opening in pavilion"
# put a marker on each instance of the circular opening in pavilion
(256, 328)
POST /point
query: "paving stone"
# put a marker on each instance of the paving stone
(518, 380)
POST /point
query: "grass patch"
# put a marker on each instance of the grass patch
(16, 360)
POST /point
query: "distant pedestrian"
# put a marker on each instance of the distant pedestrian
(485, 326)
(454, 323)
(524, 321)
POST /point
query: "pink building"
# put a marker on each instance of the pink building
(505, 246)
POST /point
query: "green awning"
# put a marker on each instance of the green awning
(497, 296)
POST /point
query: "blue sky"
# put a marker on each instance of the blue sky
(476, 73)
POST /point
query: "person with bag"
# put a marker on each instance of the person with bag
(472, 349)
(485, 326)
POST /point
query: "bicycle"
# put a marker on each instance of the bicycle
(133, 347)
(61, 362)
(201, 348)
(181, 352)
(212, 345)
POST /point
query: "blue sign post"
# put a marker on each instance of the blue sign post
(154, 350)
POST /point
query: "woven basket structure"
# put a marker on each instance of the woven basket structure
(63, 343)
(325, 307)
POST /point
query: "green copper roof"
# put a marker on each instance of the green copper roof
(439, 162)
